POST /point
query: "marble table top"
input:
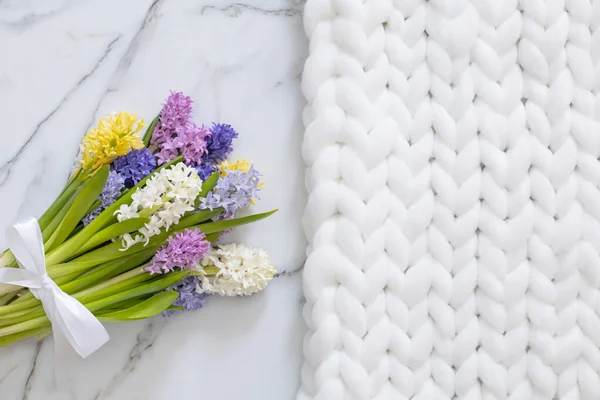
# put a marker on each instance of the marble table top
(65, 63)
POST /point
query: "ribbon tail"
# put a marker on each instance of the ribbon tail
(19, 277)
(79, 326)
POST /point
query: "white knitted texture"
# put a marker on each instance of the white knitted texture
(454, 204)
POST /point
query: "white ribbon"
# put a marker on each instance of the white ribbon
(69, 318)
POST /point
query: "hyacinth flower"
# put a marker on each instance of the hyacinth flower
(113, 187)
(218, 147)
(183, 250)
(234, 270)
(188, 298)
(205, 170)
(165, 198)
(114, 136)
(237, 188)
(219, 143)
(134, 166)
(176, 135)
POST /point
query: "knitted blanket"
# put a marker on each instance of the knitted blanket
(454, 204)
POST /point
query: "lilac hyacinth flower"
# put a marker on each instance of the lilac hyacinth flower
(234, 191)
(110, 193)
(112, 188)
(92, 215)
(176, 112)
(188, 297)
(193, 143)
(184, 250)
(175, 134)
(218, 144)
(134, 166)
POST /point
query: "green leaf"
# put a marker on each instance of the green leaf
(218, 226)
(94, 205)
(60, 201)
(114, 286)
(150, 131)
(208, 185)
(111, 251)
(198, 217)
(113, 231)
(151, 287)
(146, 309)
(58, 218)
(122, 305)
(84, 199)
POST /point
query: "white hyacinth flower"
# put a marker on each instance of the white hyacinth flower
(166, 197)
(126, 212)
(242, 270)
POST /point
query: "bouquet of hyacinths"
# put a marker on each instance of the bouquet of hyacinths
(133, 232)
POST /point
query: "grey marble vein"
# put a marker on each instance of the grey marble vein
(138, 38)
(114, 82)
(290, 273)
(29, 20)
(235, 10)
(145, 340)
(28, 382)
(8, 373)
(6, 168)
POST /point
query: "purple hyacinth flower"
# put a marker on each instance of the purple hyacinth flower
(134, 166)
(218, 144)
(205, 171)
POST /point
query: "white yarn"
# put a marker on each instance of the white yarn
(454, 203)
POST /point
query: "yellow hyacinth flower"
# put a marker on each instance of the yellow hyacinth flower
(114, 136)
(241, 165)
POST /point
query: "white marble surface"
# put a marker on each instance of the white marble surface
(63, 64)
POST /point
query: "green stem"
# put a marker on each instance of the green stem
(119, 284)
(7, 297)
(96, 305)
(70, 285)
(155, 286)
(6, 340)
(114, 281)
(60, 281)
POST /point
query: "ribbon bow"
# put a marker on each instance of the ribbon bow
(69, 318)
